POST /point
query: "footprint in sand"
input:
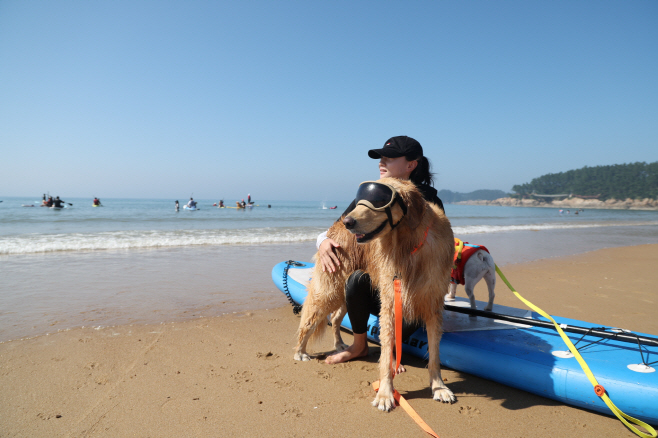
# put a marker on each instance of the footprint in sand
(292, 412)
(242, 376)
(469, 410)
(215, 371)
(283, 384)
(267, 356)
(48, 416)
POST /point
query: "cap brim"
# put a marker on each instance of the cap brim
(378, 153)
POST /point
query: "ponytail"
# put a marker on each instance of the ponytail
(421, 174)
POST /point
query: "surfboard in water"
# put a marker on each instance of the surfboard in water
(531, 358)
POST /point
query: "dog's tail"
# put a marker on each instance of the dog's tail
(320, 330)
(314, 321)
(486, 259)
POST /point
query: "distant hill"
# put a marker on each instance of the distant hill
(619, 181)
(450, 197)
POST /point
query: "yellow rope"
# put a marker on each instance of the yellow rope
(598, 389)
(459, 248)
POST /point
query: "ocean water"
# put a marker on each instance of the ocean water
(144, 223)
(141, 224)
(139, 261)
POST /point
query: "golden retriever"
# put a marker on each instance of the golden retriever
(411, 239)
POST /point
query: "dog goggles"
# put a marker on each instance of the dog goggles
(376, 196)
(379, 197)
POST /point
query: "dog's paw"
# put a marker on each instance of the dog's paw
(341, 347)
(384, 402)
(302, 356)
(444, 395)
(449, 297)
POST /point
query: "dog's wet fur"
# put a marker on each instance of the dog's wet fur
(424, 275)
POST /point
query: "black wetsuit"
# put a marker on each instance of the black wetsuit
(362, 299)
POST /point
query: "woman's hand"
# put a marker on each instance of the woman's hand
(328, 257)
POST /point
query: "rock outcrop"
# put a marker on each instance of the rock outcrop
(573, 203)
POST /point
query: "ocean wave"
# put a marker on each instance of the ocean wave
(40, 243)
(137, 239)
(482, 229)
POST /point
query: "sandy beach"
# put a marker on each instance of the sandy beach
(234, 375)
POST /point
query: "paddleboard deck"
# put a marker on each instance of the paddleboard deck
(533, 359)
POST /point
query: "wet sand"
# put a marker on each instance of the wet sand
(46, 293)
(233, 375)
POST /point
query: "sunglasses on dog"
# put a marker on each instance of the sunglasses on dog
(376, 196)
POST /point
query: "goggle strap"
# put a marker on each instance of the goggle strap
(390, 217)
(402, 205)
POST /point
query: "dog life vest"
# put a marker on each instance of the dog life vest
(463, 251)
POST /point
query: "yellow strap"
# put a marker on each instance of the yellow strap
(459, 248)
(598, 389)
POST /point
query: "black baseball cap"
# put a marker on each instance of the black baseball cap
(401, 146)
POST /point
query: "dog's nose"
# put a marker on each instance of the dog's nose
(349, 222)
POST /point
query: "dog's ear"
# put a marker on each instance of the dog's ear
(416, 205)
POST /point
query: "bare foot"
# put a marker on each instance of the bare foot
(352, 352)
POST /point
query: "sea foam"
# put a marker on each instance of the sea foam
(127, 240)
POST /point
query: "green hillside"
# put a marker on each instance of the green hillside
(450, 197)
(619, 181)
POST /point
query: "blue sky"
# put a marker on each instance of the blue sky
(283, 99)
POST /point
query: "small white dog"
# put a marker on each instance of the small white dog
(472, 263)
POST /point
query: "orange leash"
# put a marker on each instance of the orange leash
(398, 326)
(398, 353)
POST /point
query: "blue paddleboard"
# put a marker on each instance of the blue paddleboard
(533, 359)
